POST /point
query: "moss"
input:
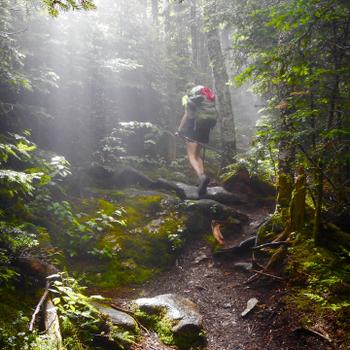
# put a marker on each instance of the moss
(273, 226)
(159, 322)
(133, 253)
(163, 326)
(320, 280)
(211, 241)
(284, 188)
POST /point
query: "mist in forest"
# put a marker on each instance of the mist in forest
(107, 177)
(114, 64)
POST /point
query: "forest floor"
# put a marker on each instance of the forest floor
(220, 290)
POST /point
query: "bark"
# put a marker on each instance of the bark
(297, 205)
(224, 103)
(319, 200)
(194, 35)
(286, 156)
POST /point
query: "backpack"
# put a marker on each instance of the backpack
(202, 100)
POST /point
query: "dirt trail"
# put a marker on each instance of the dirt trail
(220, 291)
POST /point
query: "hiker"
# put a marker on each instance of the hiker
(199, 118)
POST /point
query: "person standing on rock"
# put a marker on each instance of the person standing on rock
(199, 118)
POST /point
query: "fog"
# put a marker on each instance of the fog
(93, 69)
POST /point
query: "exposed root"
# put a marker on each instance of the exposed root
(38, 307)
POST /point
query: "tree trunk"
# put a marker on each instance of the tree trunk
(224, 104)
(319, 200)
(285, 179)
(194, 35)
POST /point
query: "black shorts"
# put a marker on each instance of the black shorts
(195, 133)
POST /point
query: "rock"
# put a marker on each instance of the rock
(243, 265)
(200, 258)
(221, 195)
(251, 303)
(217, 193)
(118, 318)
(214, 210)
(254, 187)
(183, 315)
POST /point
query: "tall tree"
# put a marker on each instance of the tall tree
(220, 76)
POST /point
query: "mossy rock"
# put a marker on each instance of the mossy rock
(175, 319)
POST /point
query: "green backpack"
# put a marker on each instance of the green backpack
(202, 100)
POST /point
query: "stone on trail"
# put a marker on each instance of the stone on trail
(118, 318)
(251, 303)
(214, 210)
(243, 265)
(217, 193)
(183, 315)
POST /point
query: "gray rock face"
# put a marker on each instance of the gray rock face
(183, 314)
(118, 318)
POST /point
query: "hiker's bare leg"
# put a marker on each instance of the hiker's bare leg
(194, 157)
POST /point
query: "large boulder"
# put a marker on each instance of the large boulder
(176, 319)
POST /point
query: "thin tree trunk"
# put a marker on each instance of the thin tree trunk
(224, 104)
(194, 35)
(319, 200)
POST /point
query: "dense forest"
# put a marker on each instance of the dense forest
(100, 206)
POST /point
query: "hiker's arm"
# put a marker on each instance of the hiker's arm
(183, 121)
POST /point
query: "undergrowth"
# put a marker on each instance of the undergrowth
(320, 281)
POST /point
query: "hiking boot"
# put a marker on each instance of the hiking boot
(203, 183)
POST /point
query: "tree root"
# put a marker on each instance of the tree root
(38, 307)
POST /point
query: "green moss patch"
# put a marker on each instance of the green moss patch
(139, 244)
(320, 279)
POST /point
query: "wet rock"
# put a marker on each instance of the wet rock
(183, 315)
(118, 318)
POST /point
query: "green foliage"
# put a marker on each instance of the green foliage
(304, 81)
(320, 278)
(131, 142)
(134, 252)
(81, 320)
(54, 7)
(73, 304)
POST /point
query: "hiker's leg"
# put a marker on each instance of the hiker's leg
(193, 153)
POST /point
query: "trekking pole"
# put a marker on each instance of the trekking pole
(204, 145)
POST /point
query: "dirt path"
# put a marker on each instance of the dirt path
(220, 291)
